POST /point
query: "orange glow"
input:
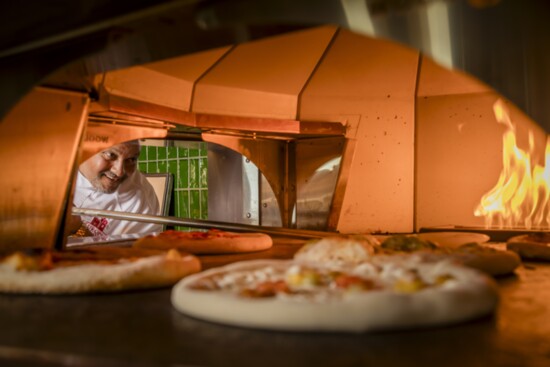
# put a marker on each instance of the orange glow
(521, 196)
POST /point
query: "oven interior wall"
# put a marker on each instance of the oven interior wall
(459, 146)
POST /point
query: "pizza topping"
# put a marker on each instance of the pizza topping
(304, 277)
(355, 250)
(173, 235)
(43, 259)
(205, 284)
(407, 244)
(338, 250)
(409, 286)
(412, 280)
(300, 281)
(206, 242)
(407, 273)
(353, 283)
(308, 281)
(443, 278)
(240, 279)
(196, 235)
(266, 289)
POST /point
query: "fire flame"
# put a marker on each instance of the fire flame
(521, 196)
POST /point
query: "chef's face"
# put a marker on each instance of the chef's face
(109, 168)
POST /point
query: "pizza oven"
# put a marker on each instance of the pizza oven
(353, 121)
(346, 133)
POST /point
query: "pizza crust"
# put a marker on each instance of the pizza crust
(147, 272)
(228, 242)
(471, 296)
(531, 246)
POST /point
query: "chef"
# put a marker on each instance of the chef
(109, 180)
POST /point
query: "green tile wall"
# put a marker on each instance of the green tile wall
(188, 163)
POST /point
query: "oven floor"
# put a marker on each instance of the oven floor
(142, 329)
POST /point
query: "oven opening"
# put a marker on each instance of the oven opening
(354, 135)
(214, 182)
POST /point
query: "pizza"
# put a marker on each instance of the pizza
(92, 269)
(533, 246)
(210, 242)
(381, 294)
(475, 255)
(362, 248)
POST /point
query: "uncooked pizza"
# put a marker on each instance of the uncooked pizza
(208, 242)
(490, 260)
(356, 249)
(533, 246)
(382, 294)
(92, 269)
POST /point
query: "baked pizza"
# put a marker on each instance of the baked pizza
(356, 249)
(381, 294)
(533, 246)
(209, 242)
(92, 269)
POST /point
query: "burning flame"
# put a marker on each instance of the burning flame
(521, 196)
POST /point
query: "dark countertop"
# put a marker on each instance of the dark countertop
(141, 328)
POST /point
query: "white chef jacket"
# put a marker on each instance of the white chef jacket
(134, 195)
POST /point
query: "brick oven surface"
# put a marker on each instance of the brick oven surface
(142, 329)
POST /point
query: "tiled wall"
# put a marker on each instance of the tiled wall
(188, 163)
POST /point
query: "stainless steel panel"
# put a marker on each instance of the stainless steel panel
(318, 166)
(225, 185)
(238, 192)
(251, 189)
(271, 158)
(270, 212)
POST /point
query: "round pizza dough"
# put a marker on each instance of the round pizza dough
(470, 295)
(147, 272)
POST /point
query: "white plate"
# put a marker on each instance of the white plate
(453, 239)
